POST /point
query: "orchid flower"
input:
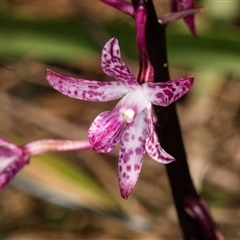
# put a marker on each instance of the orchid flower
(13, 158)
(183, 5)
(130, 122)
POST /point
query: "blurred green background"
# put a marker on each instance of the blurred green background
(75, 195)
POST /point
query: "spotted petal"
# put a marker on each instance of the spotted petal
(89, 90)
(113, 66)
(105, 131)
(132, 149)
(12, 159)
(153, 147)
(163, 94)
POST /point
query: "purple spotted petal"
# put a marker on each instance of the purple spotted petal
(113, 66)
(105, 131)
(12, 160)
(88, 90)
(163, 94)
(153, 147)
(132, 149)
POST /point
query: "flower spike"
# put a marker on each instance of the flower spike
(130, 122)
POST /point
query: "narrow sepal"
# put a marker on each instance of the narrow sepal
(113, 66)
(163, 94)
(181, 5)
(153, 147)
(132, 149)
(89, 90)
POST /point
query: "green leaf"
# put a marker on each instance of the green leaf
(54, 40)
(217, 49)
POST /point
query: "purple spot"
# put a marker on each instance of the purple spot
(130, 152)
(126, 158)
(136, 167)
(168, 93)
(138, 150)
(120, 169)
(129, 168)
(126, 137)
(75, 92)
(123, 150)
(159, 95)
(149, 147)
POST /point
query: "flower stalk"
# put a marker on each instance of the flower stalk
(169, 132)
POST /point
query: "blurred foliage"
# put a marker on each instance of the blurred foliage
(60, 40)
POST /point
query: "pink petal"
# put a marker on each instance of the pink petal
(132, 149)
(113, 66)
(153, 147)
(163, 94)
(105, 131)
(12, 160)
(89, 90)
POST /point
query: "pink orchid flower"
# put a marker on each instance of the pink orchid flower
(13, 157)
(130, 122)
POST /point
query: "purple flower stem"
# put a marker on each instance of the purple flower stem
(169, 133)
